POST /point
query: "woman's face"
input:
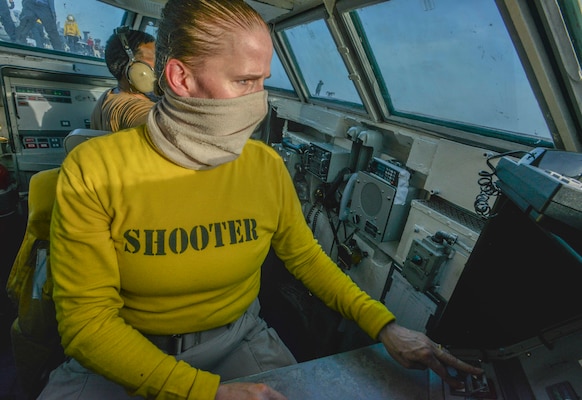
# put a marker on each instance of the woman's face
(239, 70)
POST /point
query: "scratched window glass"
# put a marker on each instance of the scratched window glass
(278, 78)
(458, 67)
(150, 25)
(80, 28)
(319, 64)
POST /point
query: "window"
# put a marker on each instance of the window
(279, 78)
(150, 25)
(451, 63)
(94, 19)
(319, 64)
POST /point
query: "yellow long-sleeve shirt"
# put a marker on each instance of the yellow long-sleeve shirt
(140, 244)
(71, 29)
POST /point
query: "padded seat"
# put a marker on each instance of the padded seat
(35, 340)
(79, 135)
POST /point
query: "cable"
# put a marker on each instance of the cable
(309, 215)
(333, 230)
(344, 211)
(487, 187)
(329, 200)
(487, 190)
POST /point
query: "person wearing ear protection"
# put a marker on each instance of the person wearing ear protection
(130, 56)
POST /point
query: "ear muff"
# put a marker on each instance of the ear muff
(139, 74)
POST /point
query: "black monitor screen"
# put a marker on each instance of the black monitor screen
(521, 280)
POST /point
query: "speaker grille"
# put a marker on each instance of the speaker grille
(371, 199)
(455, 213)
(372, 202)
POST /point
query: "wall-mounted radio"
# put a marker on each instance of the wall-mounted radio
(294, 155)
(380, 204)
(325, 160)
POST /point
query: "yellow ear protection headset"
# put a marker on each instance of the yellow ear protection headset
(139, 74)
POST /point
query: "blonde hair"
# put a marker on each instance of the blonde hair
(191, 30)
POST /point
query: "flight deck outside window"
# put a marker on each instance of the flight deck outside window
(82, 25)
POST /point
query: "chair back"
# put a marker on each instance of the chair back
(35, 340)
(80, 135)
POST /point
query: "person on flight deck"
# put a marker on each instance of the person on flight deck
(72, 33)
(318, 87)
(45, 11)
(37, 34)
(97, 48)
(6, 18)
(159, 233)
(125, 105)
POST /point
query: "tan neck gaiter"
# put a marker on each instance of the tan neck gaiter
(204, 133)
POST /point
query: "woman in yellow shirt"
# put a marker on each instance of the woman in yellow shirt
(159, 233)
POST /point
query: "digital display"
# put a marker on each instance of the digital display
(43, 91)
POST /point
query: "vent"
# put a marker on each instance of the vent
(455, 213)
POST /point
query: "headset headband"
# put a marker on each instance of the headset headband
(121, 32)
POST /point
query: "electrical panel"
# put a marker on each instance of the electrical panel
(293, 159)
(426, 218)
(325, 160)
(424, 260)
(42, 109)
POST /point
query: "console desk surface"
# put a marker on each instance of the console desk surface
(366, 373)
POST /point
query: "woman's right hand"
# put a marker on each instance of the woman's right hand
(247, 391)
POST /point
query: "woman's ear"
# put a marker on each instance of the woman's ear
(179, 77)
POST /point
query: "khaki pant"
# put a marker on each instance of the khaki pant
(247, 348)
